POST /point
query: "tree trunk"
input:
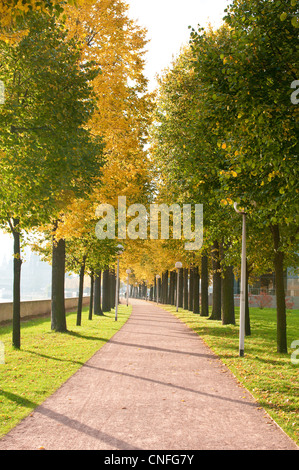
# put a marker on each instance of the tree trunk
(151, 293)
(106, 291)
(80, 296)
(247, 313)
(58, 318)
(181, 287)
(91, 296)
(163, 280)
(191, 283)
(204, 287)
(172, 288)
(97, 294)
(112, 287)
(185, 301)
(280, 293)
(169, 289)
(216, 310)
(196, 291)
(166, 287)
(228, 306)
(160, 289)
(17, 263)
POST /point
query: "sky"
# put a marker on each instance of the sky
(167, 24)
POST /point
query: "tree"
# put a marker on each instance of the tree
(186, 154)
(225, 133)
(13, 12)
(249, 81)
(48, 154)
(204, 286)
(116, 45)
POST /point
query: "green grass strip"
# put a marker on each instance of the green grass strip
(271, 377)
(47, 359)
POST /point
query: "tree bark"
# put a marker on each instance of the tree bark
(169, 299)
(280, 292)
(204, 287)
(80, 296)
(166, 287)
(58, 318)
(106, 291)
(163, 287)
(196, 291)
(181, 287)
(97, 294)
(91, 296)
(151, 293)
(112, 287)
(216, 310)
(228, 306)
(185, 300)
(160, 289)
(17, 263)
(247, 312)
(191, 283)
(172, 288)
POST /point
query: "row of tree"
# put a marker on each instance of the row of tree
(225, 132)
(75, 123)
(73, 127)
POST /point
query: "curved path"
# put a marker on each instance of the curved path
(154, 386)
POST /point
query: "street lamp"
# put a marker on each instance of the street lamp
(157, 285)
(120, 250)
(128, 271)
(178, 266)
(243, 283)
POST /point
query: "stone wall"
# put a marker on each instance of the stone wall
(36, 308)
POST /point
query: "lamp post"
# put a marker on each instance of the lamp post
(157, 285)
(128, 271)
(243, 283)
(178, 266)
(120, 250)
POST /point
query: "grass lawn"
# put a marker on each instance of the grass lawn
(271, 377)
(47, 359)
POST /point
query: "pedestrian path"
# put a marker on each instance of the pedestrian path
(154, 386)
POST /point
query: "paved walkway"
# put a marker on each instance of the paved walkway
(154, 386)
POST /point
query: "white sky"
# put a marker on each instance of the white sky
(167, 23)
